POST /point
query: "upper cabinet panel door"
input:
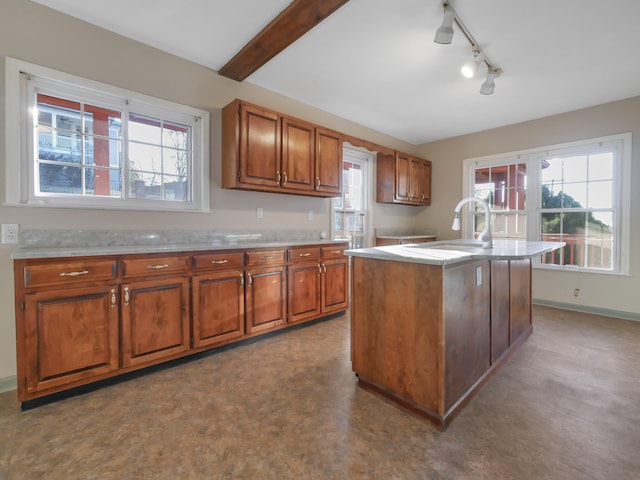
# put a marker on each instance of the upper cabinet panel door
(415, 179)
(328, 161)
(298, 143)
(403, 175)
(425, 196)
(259, 159)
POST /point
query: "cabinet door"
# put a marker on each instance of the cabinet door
(402, 177)
(298, 154)
(303, 291)
(335, 285)
(69, 336)
(328, 161)
(155, 320)
(265, 298)
(415, 180)
(425, 183)
(259, 162)
(218, 307)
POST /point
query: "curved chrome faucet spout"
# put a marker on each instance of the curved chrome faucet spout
(485, 236)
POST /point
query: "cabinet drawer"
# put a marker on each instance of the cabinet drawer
(217, 261)
(69, 272)
(333, 251)
(138, 267)
(266, 257)
(303, 253)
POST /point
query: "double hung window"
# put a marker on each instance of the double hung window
(575, 193)
(89, 145)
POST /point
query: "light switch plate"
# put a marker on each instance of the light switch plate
(478, 276)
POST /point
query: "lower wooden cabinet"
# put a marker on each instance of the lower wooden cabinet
(265, 297)
(83, 319)
(218, 307)
(155, 320)
(66, 336)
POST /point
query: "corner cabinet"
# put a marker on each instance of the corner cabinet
(84, 319)
(266, 151)
(403, 179)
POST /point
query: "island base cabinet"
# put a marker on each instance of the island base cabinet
(69, 336)
(155, 320)
(421, 334)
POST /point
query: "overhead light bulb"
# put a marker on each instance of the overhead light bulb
(444, 34)
(470, 68)
(489, 85)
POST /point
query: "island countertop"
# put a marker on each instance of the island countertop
(454, 251)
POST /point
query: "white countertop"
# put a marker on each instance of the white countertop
(446, 252)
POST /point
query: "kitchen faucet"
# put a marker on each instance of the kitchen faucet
(485, 236)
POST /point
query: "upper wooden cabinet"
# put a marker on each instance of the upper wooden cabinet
(266, 151)
(404, 179)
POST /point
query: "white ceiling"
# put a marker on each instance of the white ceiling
(374, 62)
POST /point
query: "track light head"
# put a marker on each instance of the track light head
(444, 34)
(470, 68)
(489, 85)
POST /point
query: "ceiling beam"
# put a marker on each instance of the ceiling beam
(293, 22)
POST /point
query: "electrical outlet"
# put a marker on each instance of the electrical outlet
(478, 276)
(310, 214)
(576, 292)
(259, 212)
(10, 233)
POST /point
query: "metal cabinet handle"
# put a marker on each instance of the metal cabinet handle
(219, 262)
(242, 280)
(308, 254)
(278, 176)
(157, 267)
(249, 279)
(284, 178)
(319, 270)
(317, 182)
(270, 257)
(114, 299)
(126, 296)
(324, 268)
(74, 274)
(336, 251)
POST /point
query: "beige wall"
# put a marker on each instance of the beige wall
(45, 37)
(607, 292)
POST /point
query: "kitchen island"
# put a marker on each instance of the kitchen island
(431, 322)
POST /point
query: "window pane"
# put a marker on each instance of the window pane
(574, 195)
(575, 169)
(102, 182)
(601, 166)
(175, 188)
(175, 162)
(144, 129)
(145, 157)
(63, 179)
(176, 136)
(600, 194)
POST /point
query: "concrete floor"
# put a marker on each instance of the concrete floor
(565, 406)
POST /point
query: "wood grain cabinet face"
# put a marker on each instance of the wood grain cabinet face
(68, 335)
(265, 297)
(403, 179)
(155, 319)
(304, 290)
(266, 151)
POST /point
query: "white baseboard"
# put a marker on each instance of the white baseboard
(593, 310)
(8, 383)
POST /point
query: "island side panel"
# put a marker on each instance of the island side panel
(500, 293)
(467, 313)
(397, 329)
(520, 299)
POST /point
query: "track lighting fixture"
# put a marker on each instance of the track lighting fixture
(444, 35)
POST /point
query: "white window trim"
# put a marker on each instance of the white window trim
(17, 150)
(531, 158)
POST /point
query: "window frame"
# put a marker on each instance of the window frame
(22, 79)
(533, 159)
(364, 159)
